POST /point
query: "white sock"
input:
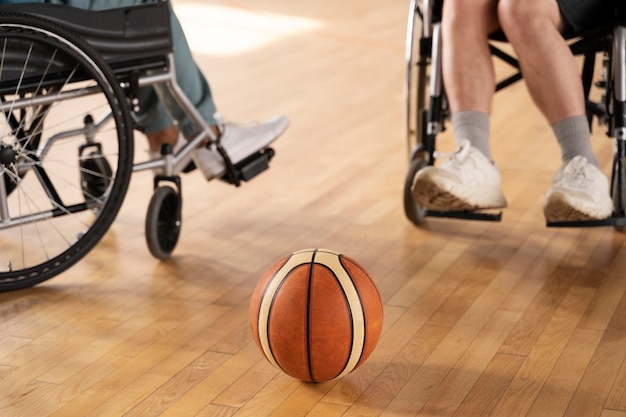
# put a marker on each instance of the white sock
(473, 126)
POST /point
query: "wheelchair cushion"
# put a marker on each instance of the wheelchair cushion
(128, 38)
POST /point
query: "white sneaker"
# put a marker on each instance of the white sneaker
(468, 180)
(579, 191)
(239, 141)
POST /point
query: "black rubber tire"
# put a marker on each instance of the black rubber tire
(413, 211)
(163, 222)
(618, 185)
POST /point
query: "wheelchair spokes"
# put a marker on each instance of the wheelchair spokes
(63, 176)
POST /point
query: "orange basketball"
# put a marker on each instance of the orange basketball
(316, 314)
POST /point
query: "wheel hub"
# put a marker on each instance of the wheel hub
(7, 155)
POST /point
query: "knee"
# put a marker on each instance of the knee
(452, 13)
(514, 16)
(461, 18)
(519, 19)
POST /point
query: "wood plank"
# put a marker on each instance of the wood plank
(490, 386)
(523, 390)
(455, 387)
(560, 386)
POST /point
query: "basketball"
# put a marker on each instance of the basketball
(316, 315)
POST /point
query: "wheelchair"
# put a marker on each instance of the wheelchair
(68, 86)
(426, 110)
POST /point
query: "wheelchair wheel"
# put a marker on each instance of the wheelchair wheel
(55, 203)
(417, 60)
(426, 106)
(413, 211)
(163, 222)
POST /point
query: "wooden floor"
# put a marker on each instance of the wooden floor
(481, 319)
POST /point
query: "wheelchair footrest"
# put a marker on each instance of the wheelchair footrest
(250, 167)
(611, 221)
(466, 215)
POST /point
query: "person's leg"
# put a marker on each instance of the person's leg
(468, 68)
(191, 81)
(156, 139)
(152, 119)
(158, 109)
(468, 180)
(239, 141)
(533, 27)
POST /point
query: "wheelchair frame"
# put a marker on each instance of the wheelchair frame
(53, 55)
(426, 110)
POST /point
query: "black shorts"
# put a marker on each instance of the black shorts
(588, 14)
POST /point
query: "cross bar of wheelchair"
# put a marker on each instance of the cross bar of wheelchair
(59, 209)
(7, 223)
(88, 131)
(47, 99)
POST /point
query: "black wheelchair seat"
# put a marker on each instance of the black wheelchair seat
(128, 38)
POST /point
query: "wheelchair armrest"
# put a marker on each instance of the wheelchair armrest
(128, 38)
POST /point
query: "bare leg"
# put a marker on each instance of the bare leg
(550, 70)
(467, 180)
(533, 27)
(579, 189)
(169, 135)
(157, 139)
(467, 64)
(468, 69)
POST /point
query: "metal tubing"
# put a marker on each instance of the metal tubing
(408, 57)
(619, 60)
(178, 161)
(47, 99)
(4, 207)
(436, 81)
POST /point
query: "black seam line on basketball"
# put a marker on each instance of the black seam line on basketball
(308, 317)
(269, 312)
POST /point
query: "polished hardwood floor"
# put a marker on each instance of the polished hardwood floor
(481, 319)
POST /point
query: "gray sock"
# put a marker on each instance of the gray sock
(473, 126)
(574, 139)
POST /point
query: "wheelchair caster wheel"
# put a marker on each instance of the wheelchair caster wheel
(95, 176)
(413, 211)
(163, 222)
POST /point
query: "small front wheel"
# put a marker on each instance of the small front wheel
(163, 222)
(414, 212)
